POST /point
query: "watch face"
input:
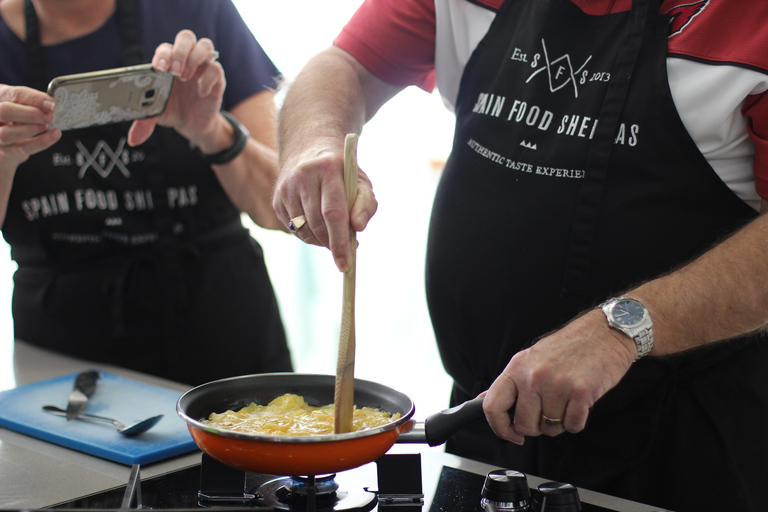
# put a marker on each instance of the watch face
(627, 313)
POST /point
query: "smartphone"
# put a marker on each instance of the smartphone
(109, 96)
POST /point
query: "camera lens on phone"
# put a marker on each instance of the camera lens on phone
(147, 97)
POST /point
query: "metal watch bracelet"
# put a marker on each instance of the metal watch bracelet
(641, 334)
(643, 338)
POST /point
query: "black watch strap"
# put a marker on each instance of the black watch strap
(227, 155)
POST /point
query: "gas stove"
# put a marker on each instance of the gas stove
(35, 474)
(397, 482)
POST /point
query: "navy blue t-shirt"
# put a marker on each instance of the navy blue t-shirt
(140, 247)
(91, 195)
(248, 69)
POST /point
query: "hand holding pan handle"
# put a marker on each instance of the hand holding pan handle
(438, 427)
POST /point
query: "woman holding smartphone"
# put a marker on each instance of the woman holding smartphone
(127, 236)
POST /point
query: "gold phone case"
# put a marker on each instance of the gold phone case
(109, 96)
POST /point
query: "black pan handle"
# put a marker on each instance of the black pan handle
(442, 425)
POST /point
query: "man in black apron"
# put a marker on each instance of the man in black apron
(531, 227)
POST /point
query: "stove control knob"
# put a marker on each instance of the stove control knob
(506, 491)
(557, 497)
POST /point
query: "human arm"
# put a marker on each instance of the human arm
(250, 179)
(332, 96)
(194, 111)
(718, 296)
(24, 117)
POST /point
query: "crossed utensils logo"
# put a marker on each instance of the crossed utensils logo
(103, 160)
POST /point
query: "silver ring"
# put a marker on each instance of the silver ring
(296, 223)
(214, 56)
(552, 421)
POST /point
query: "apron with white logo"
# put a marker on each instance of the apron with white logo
(572, 178)
(135, 256)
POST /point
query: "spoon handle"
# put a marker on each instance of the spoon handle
(344, 393)
(82, 416)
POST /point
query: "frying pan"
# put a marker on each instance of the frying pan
(317, 454)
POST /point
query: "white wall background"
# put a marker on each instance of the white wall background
(401, 150)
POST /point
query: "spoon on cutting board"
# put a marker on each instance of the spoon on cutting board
(130, 430)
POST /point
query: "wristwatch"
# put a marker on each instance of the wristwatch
(629, 316)
(227, 155)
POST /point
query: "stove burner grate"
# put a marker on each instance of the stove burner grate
(399, 478)
(327, 494)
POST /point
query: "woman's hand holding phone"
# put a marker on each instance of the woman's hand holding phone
(25, 114)
(149, 95)
(195, 100)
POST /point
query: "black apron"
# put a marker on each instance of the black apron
(136, 256)
(572, 178)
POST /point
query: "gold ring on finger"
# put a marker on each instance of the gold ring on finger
(296, 223)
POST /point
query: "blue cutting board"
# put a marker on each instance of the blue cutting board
(116, 397)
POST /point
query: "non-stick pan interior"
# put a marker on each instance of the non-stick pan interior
(237, 392)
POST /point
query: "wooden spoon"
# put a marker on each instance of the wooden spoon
(344, 393)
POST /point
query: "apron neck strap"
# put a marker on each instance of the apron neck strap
(129, 30)
(587, 213)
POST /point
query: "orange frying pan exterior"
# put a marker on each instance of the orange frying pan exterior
(291, 455)
(295, 459)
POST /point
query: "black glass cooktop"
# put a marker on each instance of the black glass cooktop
(456, 491)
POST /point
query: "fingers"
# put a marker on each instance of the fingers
(15, 133)
(365, 205)
(315, 189)
(336, 217)
(173, 57)
(550, 405)
(542, 403)
(186, 56)
(16, 153)
(195, 101)
(183, 46)
(25, 114)
(40, 142)
(27, 96)
(514, 414)
(141, 130)
(499, 407)
(554, 383)
(211, 80)
(23, 105)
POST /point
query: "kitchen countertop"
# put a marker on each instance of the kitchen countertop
(36, 474)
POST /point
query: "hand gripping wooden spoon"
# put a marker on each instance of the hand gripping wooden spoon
(344, 393)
